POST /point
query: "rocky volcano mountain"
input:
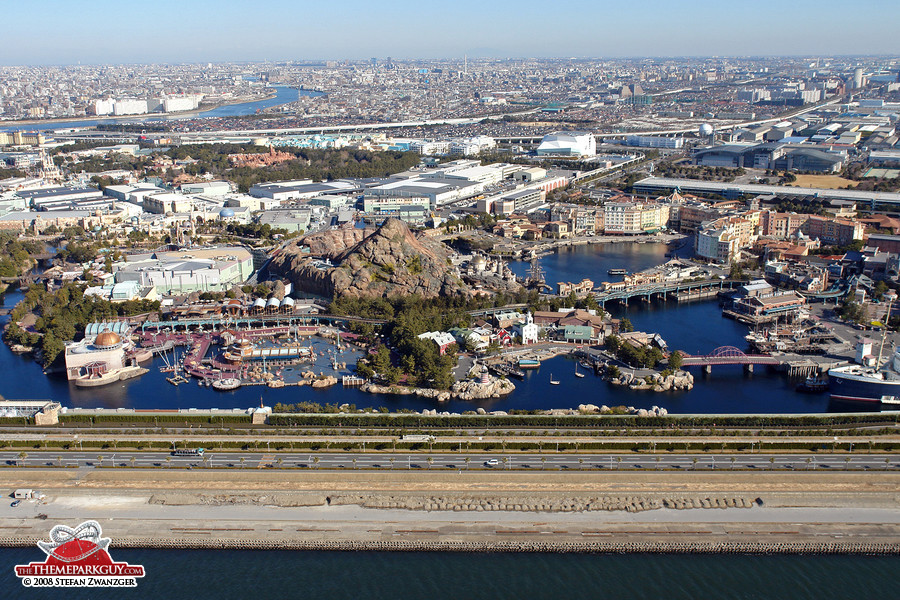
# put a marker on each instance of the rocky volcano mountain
(387, 261)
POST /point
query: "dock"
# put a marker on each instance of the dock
(506, 369)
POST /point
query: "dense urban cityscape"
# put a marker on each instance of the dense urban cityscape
(568, 292)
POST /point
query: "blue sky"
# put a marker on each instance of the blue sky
(102, 31)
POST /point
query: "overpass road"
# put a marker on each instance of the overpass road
(441, 461)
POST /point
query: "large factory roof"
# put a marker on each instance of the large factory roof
(659, 184)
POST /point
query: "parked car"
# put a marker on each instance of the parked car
(15, 503)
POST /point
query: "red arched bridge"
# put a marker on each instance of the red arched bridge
(728, 355)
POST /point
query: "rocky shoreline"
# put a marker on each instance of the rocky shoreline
(681, 380)
(462, 390)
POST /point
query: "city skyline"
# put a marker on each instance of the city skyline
(276, 30)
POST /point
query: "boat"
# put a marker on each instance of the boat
(855, 383)
(813, 385)
(553, 381)
(617, 272)
(577, 373)
(224, 385)
(527, 363)
(858, 383)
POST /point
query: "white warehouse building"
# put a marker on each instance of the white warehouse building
(568, 143)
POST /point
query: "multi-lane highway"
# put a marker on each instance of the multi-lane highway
(528, 462)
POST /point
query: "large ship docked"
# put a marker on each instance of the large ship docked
(861, 383)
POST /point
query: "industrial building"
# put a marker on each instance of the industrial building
(438, 191)
(883, 201)
(208, 188)
(654, 141)
(568, 143)
(167, 202)
(303, 189)
(60, 197)
(293, 220)
(200, 270)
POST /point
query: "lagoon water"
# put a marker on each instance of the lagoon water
(696, 328)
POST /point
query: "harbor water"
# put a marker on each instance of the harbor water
(696, 328)
(227, 574)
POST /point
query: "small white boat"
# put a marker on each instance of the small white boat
(230, 383)
(553, 381)
(577, 373)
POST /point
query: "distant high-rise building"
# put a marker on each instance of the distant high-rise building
(857, 78)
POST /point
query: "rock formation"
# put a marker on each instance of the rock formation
(388, 261)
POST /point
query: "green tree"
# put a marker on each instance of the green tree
(676, 360)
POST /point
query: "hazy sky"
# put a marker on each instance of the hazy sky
(122, 31)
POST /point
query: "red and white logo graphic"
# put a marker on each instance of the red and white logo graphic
(78, 558)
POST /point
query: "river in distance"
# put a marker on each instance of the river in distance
(227, 574)
(696, 328)
(283, 95)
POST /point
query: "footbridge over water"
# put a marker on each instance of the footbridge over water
(648, 291)
(729, 355)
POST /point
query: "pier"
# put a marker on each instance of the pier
(796, 365)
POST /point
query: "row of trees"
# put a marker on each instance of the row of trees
(645, 357)
(62, 316)
(16, 255)
(255, 230)
(417, 361)
(309, 163)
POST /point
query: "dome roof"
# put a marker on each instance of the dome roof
(107, 339)
(226, 212)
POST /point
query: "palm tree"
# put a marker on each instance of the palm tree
(22, 456)
(100, 460)
(133, 459)
(887, 463)
(467, 460)
(543, 462)
(279, 461)
(391, 460)
(430, 461)
(169, 461)
(59, 460)
(354, 462)
(733, 460)
(847, 463)
(581, 464)
(316, 461)
(808, 461)
(618, 462)
(694, 463)
(658, 459)
(772, 463)
(242, 461)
